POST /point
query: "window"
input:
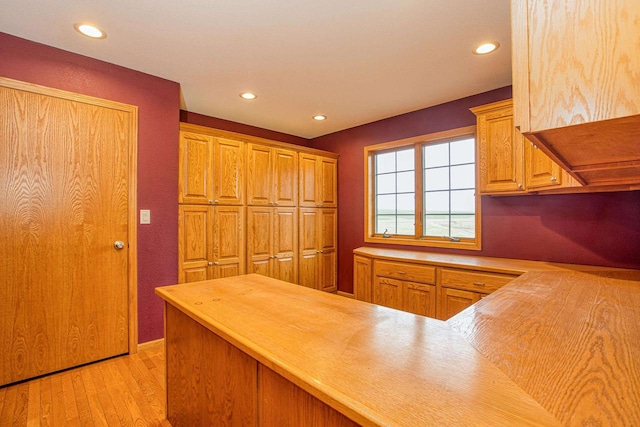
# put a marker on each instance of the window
(422, 191)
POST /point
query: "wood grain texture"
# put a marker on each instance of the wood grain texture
(209, 382)
(387, 368)
(228, 241)
(282, 403)
(195, 180)
(64, 168)
(569, 339)
(228, 171)
(584, 61)
(195, 242)
(123, 391)
(285, 178)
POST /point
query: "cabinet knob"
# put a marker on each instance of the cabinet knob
(210, 263)
(210, 201)
(216, 263)
(272, 257)
(216, 201)
(519, 186)
(275, 203)
(553, 179)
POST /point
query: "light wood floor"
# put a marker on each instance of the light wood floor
(124, 391)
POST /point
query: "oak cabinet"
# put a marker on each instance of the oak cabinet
(405, 286)
(272, 242)
(211, 170)
(229, 183)
(576, 84)
(318, 186)
(210, 242)
(508, 162)
(272, 176)
(362, 275)
(318, 248)
(427, 289)
(453, 301)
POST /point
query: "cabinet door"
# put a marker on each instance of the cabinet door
(259, 175)
(328, 182)
(259, 240)
(285, 244)
(362, 272)
(499, 150)
(307, 180)
(228, 172)
(420, 299)
(194, 243)
(542, 172)
(328, 249)
(308, 263)
(285, 178)
(453, 301)
(387, 292)
(195, 181)
(228, 241)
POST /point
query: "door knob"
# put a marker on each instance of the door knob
(118, 244)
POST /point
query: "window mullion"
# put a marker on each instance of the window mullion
(419, 193)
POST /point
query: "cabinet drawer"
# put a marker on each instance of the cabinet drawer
(404, 271)
(474, 281)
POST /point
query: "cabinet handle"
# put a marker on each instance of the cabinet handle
(479, 283)
(210, 201)
(275, 203)
(272, 257)
(216, 201)
(210, 263)
(553, 179)
(216, 263)
(402, 272)
(519, 186)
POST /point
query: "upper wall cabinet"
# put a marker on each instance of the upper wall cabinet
(507, 162)
(272, 176)
(211, 170)
(576, 85)
(318, 181)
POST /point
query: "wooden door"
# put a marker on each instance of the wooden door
(285, 244)
(228, 172)
(328, 246)
(328, 182)
(307, 178)
(65, 179)
(228, 241)
(542, 172)
(387, 292)
(285, 178)
(501, 159)
(259, 241)
(308, 263)
(362, 278)
(259, 175)
(194, 243)
(453, 301)
(420, 299)
(195, 180)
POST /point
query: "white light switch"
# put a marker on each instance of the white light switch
(145, 216)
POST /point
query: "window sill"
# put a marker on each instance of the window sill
(411, 241)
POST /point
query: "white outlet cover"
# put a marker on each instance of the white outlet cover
(145, 216)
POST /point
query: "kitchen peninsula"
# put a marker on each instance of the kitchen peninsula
(252, 350)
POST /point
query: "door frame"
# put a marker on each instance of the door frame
(132, 217)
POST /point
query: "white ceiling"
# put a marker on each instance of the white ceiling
(356, 61)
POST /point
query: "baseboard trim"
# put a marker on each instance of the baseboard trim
(143, 345)
(345, 294)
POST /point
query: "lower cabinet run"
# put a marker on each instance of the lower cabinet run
(421, 288)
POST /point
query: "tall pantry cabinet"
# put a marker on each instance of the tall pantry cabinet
(252, 205)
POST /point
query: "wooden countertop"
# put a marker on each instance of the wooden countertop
(376, 365)
(570, 339)
(497, 265)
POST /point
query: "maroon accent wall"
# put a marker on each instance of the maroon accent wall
(598, 229)
(158, 102)
(216, 123)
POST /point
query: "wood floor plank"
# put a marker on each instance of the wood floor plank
(124, 391)
(34, 403)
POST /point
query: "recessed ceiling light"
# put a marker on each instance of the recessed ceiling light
(248, 95)
(90, 31)
(319, 117)
(485, 48)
